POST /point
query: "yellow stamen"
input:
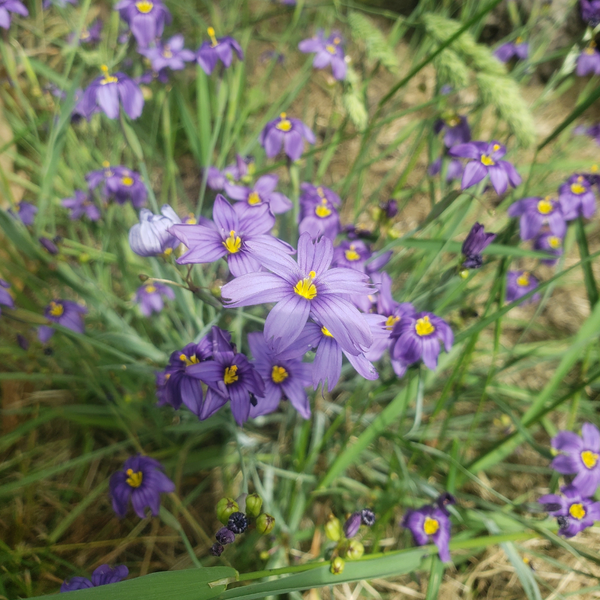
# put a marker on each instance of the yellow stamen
(577, 511)
(523, 280)
(56, 310)
(211, 35)
(150, 289)
(545, 206)
(105, 164)
(337, 41)
(326, 332)
(144, 6)
(554, 242)
(431, 526)
(168, 251)
(519, 40)
(192, 360)
(330, 49)
(577, 188)
(230, 375)
(321, 210)
(589, 458)
(233, 243)
(390, 322)
(191, 219)
(424, 327)
(128, 181)
(486, 160)
(107, 78)
(167, 52)
(452, 121)
(496, 147)
(284, 124)
(306, 288)
(352, 254)
(279, 374)
(134, 479)
(254, 199)
(321, 192)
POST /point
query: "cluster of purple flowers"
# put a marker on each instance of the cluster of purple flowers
(575, 509)
(103, 575)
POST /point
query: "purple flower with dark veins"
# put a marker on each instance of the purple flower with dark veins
(240, 171)
(119, 183)
(142, 481)
(454, 170)
(109, 92)
(146, 19)
(284, 374)
(170, 54)
(289, 133)
(150, 296)
(241, 238)
(474, 244)
(263, 191)
(327, 52)
(218, 49)
(590, 11)
(588, 62)
(313, 194)
(103, 575)
(150, 237)
(577, 198)
(25, 211)
(573, 511)
(518, 49)
(81, 204)
(308, 288)
(579, 456)
(537, 212)
(5, 297)
(66, 314)
(546, 242)
(430, 524)
(486, 161)
(455, 127)
(11, 6)
(519, 283)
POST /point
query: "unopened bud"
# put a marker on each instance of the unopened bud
(354, 550)
(253, 505)
(464, 273)
(143, 277)
(225, 536)
(265, 524)
(333, 529)
(225, 508)
(337, 565)
(352, 525)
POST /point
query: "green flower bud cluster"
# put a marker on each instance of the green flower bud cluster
(347, 548)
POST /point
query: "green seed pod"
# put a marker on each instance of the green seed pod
(354, 550)
(333, 529)
(253, 505)
(225, 508)
(337, 565)
(265, 524)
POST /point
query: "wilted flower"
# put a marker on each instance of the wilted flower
(237, 523)
(216, 549)
(25, 211)
(590, 11)
(108, 92)
(474, 244)
(5, 297)
(11, 6)
(170, 54)
(225, 536)
(537, 212)
(150, 296)
(588, 62)
(547, 242)
(519, 283)
(290, 133)
(454, 171)
(327, 52)
(455, 127)
(577, 198)
(486, 162)
(103, 575)
(150, 236)
(389, 208)
(120, 183)
(263, 191)
(146, 19)
(579, 456)
(217, 49)
(66, 314)
(143, 481)
(518, 49)
(430, 523)
(81, 204)
(573, 511)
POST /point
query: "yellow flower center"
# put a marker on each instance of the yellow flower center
(390, 322)
(56, 310)
(577, 188)
(167, 52)
(211, 34)
(134, 479)
(589, 458)
(519, 40)
(192, 360)
(150, 289)
(321, 210)
(496, 147)
(523, 280)
(233, 243)
(254, 199)
(424, 326)
(230, 375)
(284, 124)
(554, 242)
(128, 181)
(577, 511)
(594, 168)
(144, 6)
(452, 121)
(487, 160)
(326, 332)
(590, 49)
(191, 219)
(545, 206)
(107, 78)
(306, 288)
(431, 526)
(105, 164)
(279, 374)
(168, 252)
(352, 254)
(330, 49)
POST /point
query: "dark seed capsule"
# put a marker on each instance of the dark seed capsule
(563, 522)
(238, 523)
(216, 549)
(225, 536)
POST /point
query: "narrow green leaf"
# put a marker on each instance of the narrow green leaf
(436, 576)
(588, 273)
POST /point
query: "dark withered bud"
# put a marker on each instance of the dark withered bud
(225, 536)
(238, 523)
(367, 517)
(216, 549)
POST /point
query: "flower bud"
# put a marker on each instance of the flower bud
(352, 525)
(216, 549)
(337, 565)
(367, 517)
(237, 522)
(265, 524)
(464, 273)
(143, 277)
(225, 536)
(354, 550)
(333, 529)
(225, 508)
(253, 505)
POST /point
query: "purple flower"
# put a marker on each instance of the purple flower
(577, 198)
(89, 35)
(218, 49)
(455, 169)
(225, 536)
(240, 171)
(389, 208)
(81, 204)
(519, 283)
(119, 183)
(242, 238)
(11, 6)
(318, 211)
(170, 55)
(142, 480)
(146, 19)
(5, 297)
(49, 245)
(284, 374)
(430, 523)
(354, 254)
(66, 314)
(103, 575)
(573, 511)
(455, 127)
(327, 52)
(150, 236)
(537, 212)
(590, 11)
(474, 244)
(418, 337)
(308, 288)
(25, 212)
(518, 49)
(313, 194)
(579, 456)
(263, 191)
(592, 131)
(352, 525)
(60, 3)
(290, 133)
(150, 297)
(588, 62)
(486, 162)
(108, 92)
(547, 242)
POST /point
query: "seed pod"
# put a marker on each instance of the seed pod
(225, 536)
(225, 508)
(253, 505)
(354, 550)
(337, 565)
(216, 549)
(265, 523)
(238, 523)
(333, 529)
